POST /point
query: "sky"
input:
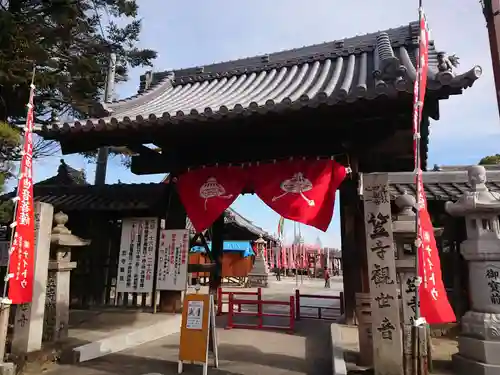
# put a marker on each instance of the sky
(189, 33)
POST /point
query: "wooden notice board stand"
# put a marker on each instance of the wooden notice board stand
(197, 330)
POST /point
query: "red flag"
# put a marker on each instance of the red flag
(284, 263)
(206, 193)
(21, 266)
(434, 304)
(300, 190)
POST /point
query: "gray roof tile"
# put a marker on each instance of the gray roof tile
(440, 186)
(233, 217)
(365, 66)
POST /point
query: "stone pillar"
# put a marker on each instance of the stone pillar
(28, 324)
(385, 307)
(259, 275)
(404, 237)
(58, 281)
(479, 343)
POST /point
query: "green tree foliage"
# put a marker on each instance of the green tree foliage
(489, 160)
(10, 140)
(66, 42)
(69, 43)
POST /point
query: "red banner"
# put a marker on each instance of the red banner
(21, 266)
(434, 304)
(207, 192)
(300, 190)
(284, 263)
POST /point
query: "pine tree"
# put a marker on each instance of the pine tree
(69, 43)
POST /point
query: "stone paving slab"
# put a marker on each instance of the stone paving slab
(243, 352)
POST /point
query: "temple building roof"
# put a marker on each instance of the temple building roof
(343, 71)
(440, 185)
(66, 175)
(231, 217)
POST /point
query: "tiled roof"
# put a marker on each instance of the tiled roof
(66, 175)
(366, 67)
(232, 217)
(116, 197)
(440, 186)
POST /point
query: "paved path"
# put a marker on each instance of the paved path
(241, 352)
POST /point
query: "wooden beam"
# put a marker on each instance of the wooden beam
(281, 123)
(152, 164)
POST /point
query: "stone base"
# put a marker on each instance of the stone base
(485, 326)
(479, 350)
(256, 281)
(465, 366)
(7, 368)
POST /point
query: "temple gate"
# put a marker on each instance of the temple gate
(350, 99)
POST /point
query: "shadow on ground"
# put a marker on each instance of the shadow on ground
(133, 365)
(245, 355)
(235, 359)
(107, 319)
(318, 346)
(80, 321)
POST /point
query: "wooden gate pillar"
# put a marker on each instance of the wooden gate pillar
(171, 300)
(350, 254)
(217, 253)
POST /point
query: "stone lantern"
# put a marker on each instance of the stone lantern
(58, 280)
(259, 275)
(479, 343)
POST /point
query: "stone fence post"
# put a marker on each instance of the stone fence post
(28, 323)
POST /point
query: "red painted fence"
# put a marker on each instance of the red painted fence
(319, 315)
(260, 314)
(221, 294)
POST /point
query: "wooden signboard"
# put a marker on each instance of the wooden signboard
(137, 255)
(197, 329)
(386, 323)
(172, 260)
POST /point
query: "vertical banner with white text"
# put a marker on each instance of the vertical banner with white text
(172, 260)
(137, 255)
(21, 265)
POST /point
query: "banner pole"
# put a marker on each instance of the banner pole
(5, 303)
(416, 331)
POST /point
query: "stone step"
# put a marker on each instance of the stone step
(124, 340)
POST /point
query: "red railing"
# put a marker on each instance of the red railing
(260, 314)
(221, 293)
(298, 306)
